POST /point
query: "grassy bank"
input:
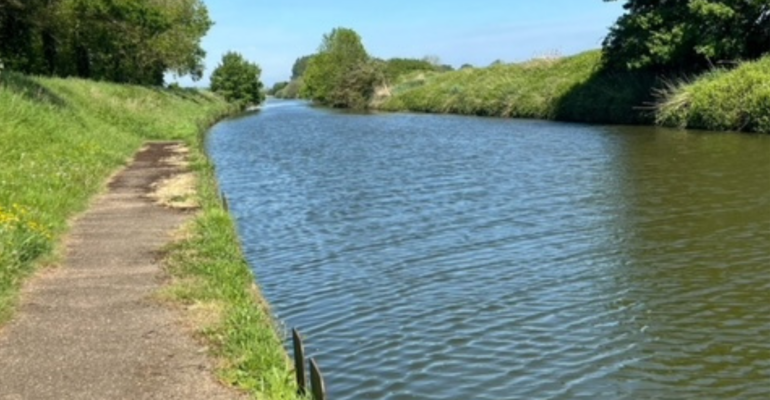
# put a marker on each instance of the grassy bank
(737, 100)
(577, 89)
(61, 140)
(214, 282)
(549, 88)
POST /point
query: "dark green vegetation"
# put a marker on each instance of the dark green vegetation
(397, 67)
(291, 89)
(62, 139)
(738, 100)
(687, 63)
(237, 80)
(341, 74)
(125, 41)
(685, 36)
(277, 87)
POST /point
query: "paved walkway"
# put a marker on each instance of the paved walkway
(90, 329)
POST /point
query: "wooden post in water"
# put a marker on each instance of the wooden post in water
(317, 382)
(299, 362)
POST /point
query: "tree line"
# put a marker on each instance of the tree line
(665, 38)
(342, 74)
(127, 41)
(687, 36)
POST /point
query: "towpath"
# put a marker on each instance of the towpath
(91, 329)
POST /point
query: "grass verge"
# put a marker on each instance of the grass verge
(737, 99)
(60, 141)
(214, 283)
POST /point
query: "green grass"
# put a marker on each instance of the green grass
(737, 99)
(61, 140)
(212, 278)
(578, 89)
(546, 88)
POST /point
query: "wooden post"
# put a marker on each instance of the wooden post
(299, 362)
(317, 382)
(224, 202)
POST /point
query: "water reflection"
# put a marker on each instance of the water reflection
(446, 257)
(701, 224)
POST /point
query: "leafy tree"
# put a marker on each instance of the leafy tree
(25, 34)
(133, 41)
(687, 35)
(237, 80)
(341, 73)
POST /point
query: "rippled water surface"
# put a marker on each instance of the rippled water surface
(443, 257)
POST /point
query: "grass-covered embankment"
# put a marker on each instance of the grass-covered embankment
(577, 89)
(735, 100)
(215, 283)
(59, 142)
(569, 88)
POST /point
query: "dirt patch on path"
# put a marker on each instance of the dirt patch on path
(91, 329)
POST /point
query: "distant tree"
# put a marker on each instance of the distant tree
(466, 66)
(291, 91)
(277, 87)
(395, 67)
(687, 35)
(341, 73)
(237, 80)
(432, 59)
(299, 66)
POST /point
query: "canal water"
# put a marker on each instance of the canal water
(447, 257)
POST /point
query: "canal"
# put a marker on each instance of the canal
(448, 257)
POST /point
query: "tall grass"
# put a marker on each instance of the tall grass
(544, 88)
(737, 99)
(526, 90)
(578, 89)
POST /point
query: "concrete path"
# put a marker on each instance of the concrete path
(90, 329)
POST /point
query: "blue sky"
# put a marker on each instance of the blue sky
(274, 33)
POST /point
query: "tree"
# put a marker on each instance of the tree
(687, 35)
(299, 67)
(277, 87)
(291, 91)
(339, 73)
(237, 80)
(132, 41)
(396, 67)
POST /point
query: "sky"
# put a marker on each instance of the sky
(275, 33)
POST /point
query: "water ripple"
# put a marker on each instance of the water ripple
(438, 257)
